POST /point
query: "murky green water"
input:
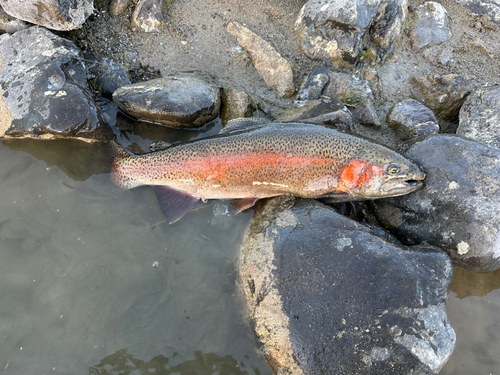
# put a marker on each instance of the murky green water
(92, 280)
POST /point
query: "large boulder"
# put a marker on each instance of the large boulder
(459, 208)
(480, 116)
(53, 14)
(340, 30)
(44, 89)
(329, 297)
(182, 102)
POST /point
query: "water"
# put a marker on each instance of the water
(92, 279)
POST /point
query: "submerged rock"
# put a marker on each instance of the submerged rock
(44, 89)
(480, 116)
(53, 14)
(432, 26)
(328, 297)
(340, 30)
(271, 66)
(182, 102)
(412, 119)
(107, 76)
(321, 112)
(459, 208)
(314, 85)
(444, 95)
(147, 16)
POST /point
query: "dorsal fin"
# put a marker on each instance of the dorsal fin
(244, 123)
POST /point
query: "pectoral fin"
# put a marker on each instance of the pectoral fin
(174, 203)
(240, 205)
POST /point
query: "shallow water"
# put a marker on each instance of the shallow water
(92, 280)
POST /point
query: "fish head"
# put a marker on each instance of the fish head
(389, 176)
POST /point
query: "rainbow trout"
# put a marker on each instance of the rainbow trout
(250, 160)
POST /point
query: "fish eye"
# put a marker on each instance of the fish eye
(392, 169)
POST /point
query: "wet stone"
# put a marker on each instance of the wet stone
(340, 30)
(480, 116)
(182, 102)
(322, 112)
(106, 76)
(459, 207)
(412, 119)
(444, 95)
(53, 14)
(314, 85)
(271, 66)
(326, 296)
(147, 16)
(44, 89)
(431, 27)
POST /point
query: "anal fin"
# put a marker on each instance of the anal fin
(174, 203)
(239, 205)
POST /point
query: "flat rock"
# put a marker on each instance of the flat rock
(412, 119)
(328, 297)
(480, 116)
(107, 76)
(271, 66)
(444, 95)
(340, 30)
(459, 207)
(314, 85)
(182, 102)
(147, 16)
(322, 112)
(53, 14)
(431, 26)
(44, 89)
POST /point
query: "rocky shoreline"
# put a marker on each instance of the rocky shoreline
(327, 294)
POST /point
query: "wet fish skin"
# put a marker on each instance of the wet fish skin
(309, 161)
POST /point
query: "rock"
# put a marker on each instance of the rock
(480, 116)
(432, 26)
(314, 85)
(412, 119)
(117, 7)
(444, 95)
(53, 14)
(107, 76)
(355, 93)
(322, 112)
(10, 24)
(459, 208)
(271, 66)
(328, 297)
(236, 104)
(340, 30)
(183, 102)
(44, 89)
(486, 7)
(147, 16)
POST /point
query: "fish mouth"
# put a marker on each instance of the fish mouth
(409, 185)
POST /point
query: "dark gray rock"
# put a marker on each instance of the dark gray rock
(444, 95)
(355, 93)
(340, 30)
(147, 16)
(328, 297)
(53, 14)
(480, 116)
(183, 102)
(9, 24)
(491, 8)
(106, 76)
(314, 85)
(431, 26)
(459, 207)
(412, 119)
(322, 112)
(44, 89)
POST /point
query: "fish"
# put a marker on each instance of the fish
(251, 159)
